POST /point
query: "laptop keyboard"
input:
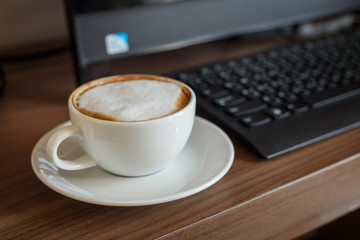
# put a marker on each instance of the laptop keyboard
(284, 98)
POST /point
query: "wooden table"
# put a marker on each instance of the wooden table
(277, 199)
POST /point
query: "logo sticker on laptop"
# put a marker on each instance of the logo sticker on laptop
(117, 43)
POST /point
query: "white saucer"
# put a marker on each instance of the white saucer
(206, 158)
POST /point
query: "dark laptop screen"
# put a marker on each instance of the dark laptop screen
(103, 30)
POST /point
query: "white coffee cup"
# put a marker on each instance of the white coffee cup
(127, 148)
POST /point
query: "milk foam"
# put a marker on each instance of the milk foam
(134, 100)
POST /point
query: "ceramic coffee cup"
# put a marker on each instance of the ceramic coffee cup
(143, 141)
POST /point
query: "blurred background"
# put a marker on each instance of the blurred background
(30, 27)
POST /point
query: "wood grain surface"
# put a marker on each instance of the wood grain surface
(277, 199)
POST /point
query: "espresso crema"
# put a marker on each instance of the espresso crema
(131, 99)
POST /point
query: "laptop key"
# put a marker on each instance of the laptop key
(247, 108)
(297, 107)
(278, 112)
(214, 92)
(229, 100)
(256, 119)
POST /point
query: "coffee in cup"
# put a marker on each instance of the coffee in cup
(131, 98)
(130, 125)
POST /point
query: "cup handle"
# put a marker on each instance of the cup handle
(54, 142)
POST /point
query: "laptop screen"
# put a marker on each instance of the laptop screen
(109, 29)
